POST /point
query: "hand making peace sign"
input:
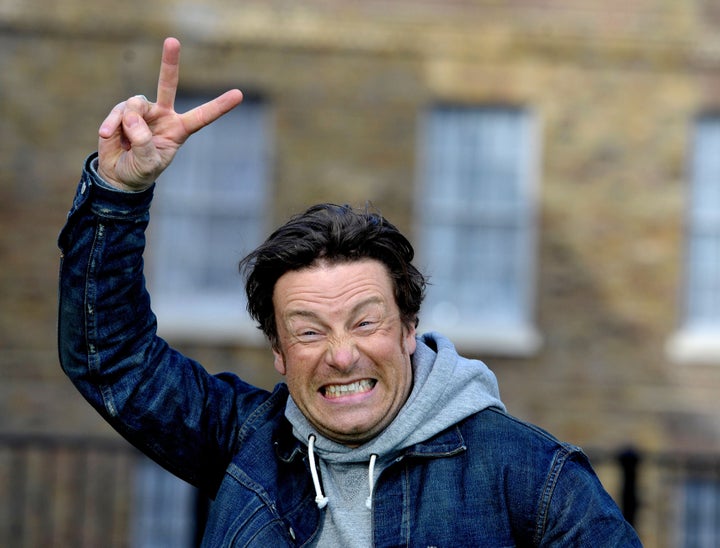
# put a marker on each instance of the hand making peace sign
(139, 139)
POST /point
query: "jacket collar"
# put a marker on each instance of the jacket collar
(287, 446)
(447, 443)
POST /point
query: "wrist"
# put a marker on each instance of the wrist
(108, 200)
(115, 184)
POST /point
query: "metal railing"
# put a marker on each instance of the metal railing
(64, 491)
(89, 492)
(673, 499)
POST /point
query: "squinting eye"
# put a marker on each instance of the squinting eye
(307, 335)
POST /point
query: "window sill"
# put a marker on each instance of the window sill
(695, 346)
(516, 341)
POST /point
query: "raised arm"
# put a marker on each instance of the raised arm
(165, 403)
(139, 139)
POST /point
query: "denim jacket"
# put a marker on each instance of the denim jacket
(489, 481)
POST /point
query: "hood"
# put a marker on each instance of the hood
(447, 388)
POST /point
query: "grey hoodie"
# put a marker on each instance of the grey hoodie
(447, 388)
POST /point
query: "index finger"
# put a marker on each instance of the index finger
(207, 113)
(169, 73)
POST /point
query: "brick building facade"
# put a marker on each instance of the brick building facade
(615, 91)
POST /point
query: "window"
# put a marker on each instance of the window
(163, 508)
(703, 289)
(699, 338)
(477, 226)
(210, 211)
(700, 514)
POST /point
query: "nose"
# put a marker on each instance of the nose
(341, 353)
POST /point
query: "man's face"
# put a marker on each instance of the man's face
(342, 347)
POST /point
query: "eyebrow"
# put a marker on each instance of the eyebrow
(300, 314)
(308, 314)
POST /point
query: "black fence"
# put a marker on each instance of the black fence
(83, 492)
(673, 499)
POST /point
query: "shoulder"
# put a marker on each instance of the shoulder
(503, 441)
(495, 425)
(549, 485)
(528, 456)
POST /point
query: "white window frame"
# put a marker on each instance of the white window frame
(221, 177)
(460, 145)
(698, 339)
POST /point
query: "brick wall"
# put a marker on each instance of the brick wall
(614, 84)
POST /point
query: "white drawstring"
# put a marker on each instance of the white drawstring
(371, 480)
(320, 499)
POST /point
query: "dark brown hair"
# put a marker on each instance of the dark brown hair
(335, 234)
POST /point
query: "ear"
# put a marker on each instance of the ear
(279, 362)
(410, 340)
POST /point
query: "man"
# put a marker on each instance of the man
(378, 437)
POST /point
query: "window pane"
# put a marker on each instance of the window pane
(703, 280)
(700, 519)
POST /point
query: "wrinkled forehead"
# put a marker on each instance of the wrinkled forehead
(334, 285)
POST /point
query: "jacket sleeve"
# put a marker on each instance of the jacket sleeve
(576, 510)
(161, 401)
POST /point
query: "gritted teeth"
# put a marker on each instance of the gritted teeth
(357, 387)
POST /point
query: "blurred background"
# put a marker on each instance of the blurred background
(555, 162)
